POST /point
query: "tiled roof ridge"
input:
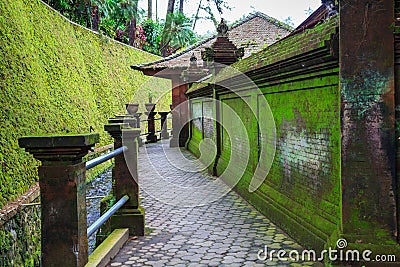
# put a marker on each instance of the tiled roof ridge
(266, 17)
(235, 25)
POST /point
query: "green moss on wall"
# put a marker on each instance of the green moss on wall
(20, 239)
(302, 190)
(55, 77)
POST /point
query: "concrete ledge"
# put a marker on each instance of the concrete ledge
(108, 248)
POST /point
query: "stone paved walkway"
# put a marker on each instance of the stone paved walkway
(226, 232)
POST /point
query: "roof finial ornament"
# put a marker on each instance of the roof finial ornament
(222, 29)
(193, 61)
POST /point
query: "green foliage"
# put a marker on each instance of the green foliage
(115, 21)
(107, 27)
(118, 13)
(153, 32)
(177, 33)
(114, 15)
(75, 10)
(55, 77)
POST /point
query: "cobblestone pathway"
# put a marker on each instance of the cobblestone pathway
(226, 232)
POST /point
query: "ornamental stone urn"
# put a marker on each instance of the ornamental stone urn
(132, 108)
(150, 107)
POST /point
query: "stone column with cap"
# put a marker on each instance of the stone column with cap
(125, 178)
(151, 129)
(164, 128)
(63, 192)
(132, 119)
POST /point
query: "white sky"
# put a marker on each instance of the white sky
(277, 9)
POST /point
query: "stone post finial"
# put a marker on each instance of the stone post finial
(222, 29)
(193, 61)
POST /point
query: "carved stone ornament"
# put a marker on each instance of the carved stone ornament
(222, 29)
(193, 61)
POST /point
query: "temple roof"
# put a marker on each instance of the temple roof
(253, 33)
(318, 32)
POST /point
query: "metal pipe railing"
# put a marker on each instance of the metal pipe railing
(70, 167)
(99, 222)
(94, 162)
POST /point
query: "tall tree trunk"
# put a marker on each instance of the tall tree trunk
(181, 6)
(170, 7)
(88, 14)
(157, 11)
(149, 9)
(132, 31)
(167, 26)
(95, 18)
(132, 25)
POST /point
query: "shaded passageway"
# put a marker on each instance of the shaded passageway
(225, 232)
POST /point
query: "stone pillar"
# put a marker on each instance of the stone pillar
(151, 129)
(125, 179)
(63, 193)
(164, 126)
(397, 101)
(180, 113)
(137, 117)
(367, 125)
(133, 121)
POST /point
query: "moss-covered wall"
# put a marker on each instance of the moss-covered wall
(20, 238)
(196, 126)
(302, 190)
(55, 77)
(330, 90)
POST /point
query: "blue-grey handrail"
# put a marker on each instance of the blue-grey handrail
(96, 225)
(94, 162)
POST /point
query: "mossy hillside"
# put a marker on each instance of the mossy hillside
(56, 77)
